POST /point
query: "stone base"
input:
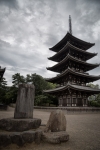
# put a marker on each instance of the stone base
(20, 138)
(55, 137)
(11, 124)
(36, 136)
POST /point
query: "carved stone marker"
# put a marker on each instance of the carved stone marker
(25, 101)
(56, 122)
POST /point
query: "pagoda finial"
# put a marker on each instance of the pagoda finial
(70, 25)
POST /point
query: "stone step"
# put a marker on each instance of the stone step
(20, 138)
(11, 124)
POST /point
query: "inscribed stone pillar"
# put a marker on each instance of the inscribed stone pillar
(25, 101)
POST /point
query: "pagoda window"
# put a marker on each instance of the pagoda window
(68, 101)
(60, 101)
(84, 102)
(74, 100)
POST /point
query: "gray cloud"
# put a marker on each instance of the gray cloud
(12, 4)
(29, 28)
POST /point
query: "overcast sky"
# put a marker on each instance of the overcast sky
(28, 28)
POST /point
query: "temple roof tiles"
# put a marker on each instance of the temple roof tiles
(69, 70)
(68, 45)
(75, 87)
(69, 37)
(69, 57)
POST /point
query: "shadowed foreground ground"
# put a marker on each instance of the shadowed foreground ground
(83, 129)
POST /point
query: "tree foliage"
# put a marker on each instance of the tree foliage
(9, 94)
(3, 89)
(94, 99)
(17, 79)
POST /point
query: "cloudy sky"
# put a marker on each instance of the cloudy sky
(28, 28)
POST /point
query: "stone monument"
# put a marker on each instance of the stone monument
(25, 101)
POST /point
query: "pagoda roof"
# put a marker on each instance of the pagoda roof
(69, 70)
(2, 70)
(75, 87)
(70, 37)
(69, 45)
(69, 57)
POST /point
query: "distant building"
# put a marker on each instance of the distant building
(71, 57)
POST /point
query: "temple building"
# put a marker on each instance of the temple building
(71, 57)
(1, 72)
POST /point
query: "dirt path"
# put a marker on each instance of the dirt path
(83, 129)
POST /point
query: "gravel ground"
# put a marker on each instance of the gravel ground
(83, 129)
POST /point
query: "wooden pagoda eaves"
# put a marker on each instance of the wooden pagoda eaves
(67, 49)
(72, 72)
(56, 68)
(2, 70)
(74, 41)
(74, 87)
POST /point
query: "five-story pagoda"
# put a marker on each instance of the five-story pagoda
(71, 57)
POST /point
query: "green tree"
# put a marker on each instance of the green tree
(94, 100)
(3, 88)
(11, 95)
(3, 83)
(28, 79)
(41, 100)
(98, 98)
(40, 84)
(17, 79)
(8, 94)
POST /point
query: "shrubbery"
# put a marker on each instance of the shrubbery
(95, 103)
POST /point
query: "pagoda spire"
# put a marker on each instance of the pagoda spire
(70, 25)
